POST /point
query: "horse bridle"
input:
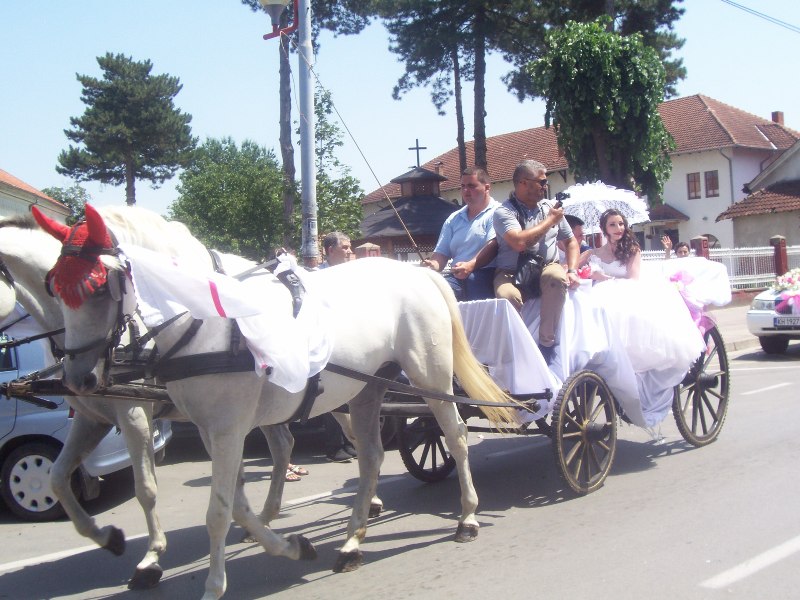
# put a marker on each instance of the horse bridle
(114, 286)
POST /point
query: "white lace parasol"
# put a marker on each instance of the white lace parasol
(588, 201)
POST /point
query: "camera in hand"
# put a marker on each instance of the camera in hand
(560, 197)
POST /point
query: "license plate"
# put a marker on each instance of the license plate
(787, 321)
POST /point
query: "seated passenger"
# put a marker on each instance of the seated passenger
(651, 319)
(463, 234)
(528, 221)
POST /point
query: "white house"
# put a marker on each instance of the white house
(719, 149)
(17, 197)
(773, 205)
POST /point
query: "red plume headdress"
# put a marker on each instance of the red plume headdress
(78, 273)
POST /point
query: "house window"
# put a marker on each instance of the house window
(693, 185)
(712, 183)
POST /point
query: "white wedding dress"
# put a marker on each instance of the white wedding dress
(654, 341)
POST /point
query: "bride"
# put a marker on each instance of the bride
(648, 316)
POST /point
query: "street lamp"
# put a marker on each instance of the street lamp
(274, 9)
(308, 171)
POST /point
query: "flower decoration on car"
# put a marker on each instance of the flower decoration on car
(789, 281)
(788, 284)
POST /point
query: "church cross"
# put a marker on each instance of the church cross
(418, 148)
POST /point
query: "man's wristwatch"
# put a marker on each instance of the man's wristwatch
(571, 271)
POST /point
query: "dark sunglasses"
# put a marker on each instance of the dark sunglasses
(541, 182)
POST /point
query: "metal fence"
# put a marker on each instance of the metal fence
(748, 268)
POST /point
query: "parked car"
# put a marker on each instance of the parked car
(31, 438)
(774, 320)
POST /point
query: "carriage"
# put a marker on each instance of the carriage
(414, 325)
(579, 414)
(581, 420)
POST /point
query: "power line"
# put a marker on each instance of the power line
(773, 20)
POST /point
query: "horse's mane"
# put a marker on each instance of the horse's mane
(145, 228)
(19, 221)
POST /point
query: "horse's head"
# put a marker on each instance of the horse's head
(91, 283)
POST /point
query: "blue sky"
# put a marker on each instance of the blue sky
(230, 86)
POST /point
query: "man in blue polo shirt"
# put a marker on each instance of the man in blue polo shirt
(463, 234)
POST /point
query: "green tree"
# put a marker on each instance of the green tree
(603, 92)
(338, 193)
(345, 17)
(230, 198)
(524, 39)
(75, 197)
(443, 42)
(131, 129)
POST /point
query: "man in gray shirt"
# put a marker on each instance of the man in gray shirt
(544, 225)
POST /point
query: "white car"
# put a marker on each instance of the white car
(774, 329)
(31, 438)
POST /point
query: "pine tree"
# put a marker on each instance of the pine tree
(131, 129)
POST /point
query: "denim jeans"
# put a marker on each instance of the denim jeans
(478, 286)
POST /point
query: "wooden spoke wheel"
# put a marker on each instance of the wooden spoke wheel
(700, 401)
(421, 444)
(584, 423)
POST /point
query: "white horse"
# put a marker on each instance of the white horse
(386, 316)
(27, 253)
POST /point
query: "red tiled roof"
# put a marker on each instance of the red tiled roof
(503, 153)
(665, 212)
(779, 197)
(701, 123)
(696, 123)
(9, 179)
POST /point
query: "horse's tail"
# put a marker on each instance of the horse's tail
(471, 374)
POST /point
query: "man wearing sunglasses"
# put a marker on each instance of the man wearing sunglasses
(527, 221)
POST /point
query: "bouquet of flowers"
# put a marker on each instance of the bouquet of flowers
(788, 284)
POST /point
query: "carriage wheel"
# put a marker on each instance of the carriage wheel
(700, 401)
(584, 431)
(421, 445)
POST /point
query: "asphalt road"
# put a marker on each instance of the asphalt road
(671, 521)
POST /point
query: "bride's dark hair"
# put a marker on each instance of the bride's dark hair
(627, 247)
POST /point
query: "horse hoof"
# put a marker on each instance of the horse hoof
(375, 510)
(307, 550)
(144, 579)
(466, 533)
(116, 542)
(348, 561)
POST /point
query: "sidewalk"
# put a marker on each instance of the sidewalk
(731, 321)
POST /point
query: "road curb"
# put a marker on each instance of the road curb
(741, 344)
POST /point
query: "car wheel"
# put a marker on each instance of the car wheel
(25, 484)
(774, 344)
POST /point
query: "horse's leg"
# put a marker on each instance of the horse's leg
(228, 501)
(294, 546)
(83, 437)
(226, 458)
(455, 435)
(365, 413)
(281, 442)
(137, 426)
(376, 504)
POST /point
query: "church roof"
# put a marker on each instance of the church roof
(421, 214)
